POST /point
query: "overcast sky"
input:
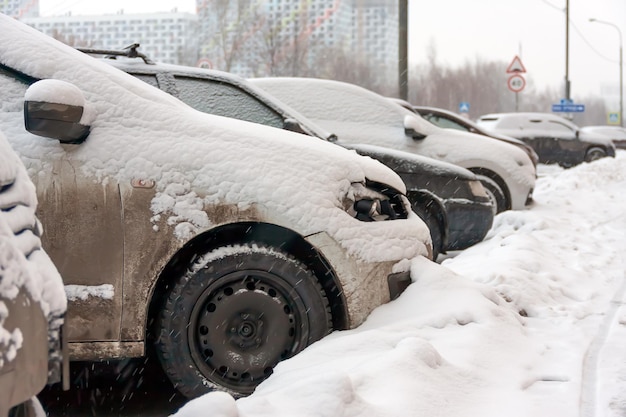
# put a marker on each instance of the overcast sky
(462, 30)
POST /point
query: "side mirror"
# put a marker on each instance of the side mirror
(293, 126)
(411, 127)
(54, 109)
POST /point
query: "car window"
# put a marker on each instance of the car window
(148, 78)
(225, 100)
(445, 123)
(556, 127)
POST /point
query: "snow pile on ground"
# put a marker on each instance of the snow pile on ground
(531, 321)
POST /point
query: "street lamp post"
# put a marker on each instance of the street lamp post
(621, 72)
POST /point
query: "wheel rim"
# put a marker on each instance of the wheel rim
(594, 155)
(243, 325)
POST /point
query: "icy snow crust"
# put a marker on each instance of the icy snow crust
(197, 159)
(23, 264)
(506, 328)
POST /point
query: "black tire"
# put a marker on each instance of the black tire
(234, 315)
(436, 234)
(594, 154)
(495, 193)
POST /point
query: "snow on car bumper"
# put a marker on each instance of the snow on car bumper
(364, 285)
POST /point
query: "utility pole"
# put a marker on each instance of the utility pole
(621, 68)
(567, 83)
(403, 60)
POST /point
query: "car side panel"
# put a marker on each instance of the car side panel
(149, 246)
(85, 247)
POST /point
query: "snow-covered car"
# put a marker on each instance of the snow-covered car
(617, 134)
(32, 299)
(555, 139)
(449, 120)
(357, 115)
(448, 198)
(225, 246)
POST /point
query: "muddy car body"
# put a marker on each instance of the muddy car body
(167, 223)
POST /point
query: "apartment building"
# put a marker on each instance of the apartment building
(250, 38)
(19, 9)
(165, 37)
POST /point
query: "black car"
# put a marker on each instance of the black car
(450, 199)
(555, 139)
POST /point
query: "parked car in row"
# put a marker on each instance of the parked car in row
(448, 198)
(617, 134)
(359, 116)
(32, 298)
(449, 120)
(555, 139)
(224, 245)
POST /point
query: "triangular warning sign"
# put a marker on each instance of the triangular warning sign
(515, 66)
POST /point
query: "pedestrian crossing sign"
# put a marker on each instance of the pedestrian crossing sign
(613, 118)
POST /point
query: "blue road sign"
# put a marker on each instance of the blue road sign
(568, 108)
(614, 118)
(464, 107)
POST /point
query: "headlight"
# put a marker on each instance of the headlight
(375, 202)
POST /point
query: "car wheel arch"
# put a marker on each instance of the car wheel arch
(248, 232)
(595, 152)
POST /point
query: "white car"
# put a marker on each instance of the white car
(617, 134)
(357, 115)
(226, 245)
(32, 299)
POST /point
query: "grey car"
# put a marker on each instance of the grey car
(555, 139)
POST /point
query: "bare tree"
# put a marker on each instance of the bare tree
(71, 40)
(483, 84)
(226, 27)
